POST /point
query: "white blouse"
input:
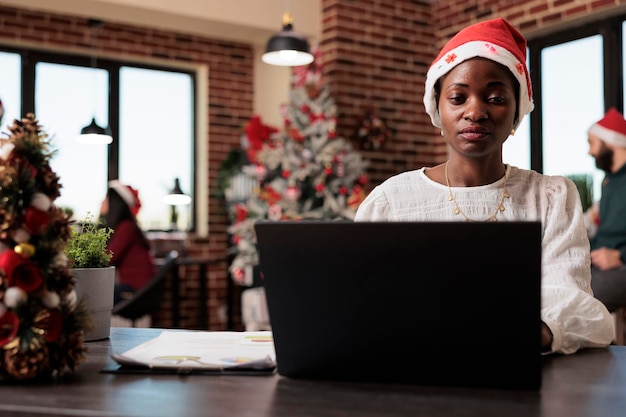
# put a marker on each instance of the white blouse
(576, 319)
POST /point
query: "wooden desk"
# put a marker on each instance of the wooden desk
(590, 383)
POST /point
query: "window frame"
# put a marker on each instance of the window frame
(31, 56)
(611, 31)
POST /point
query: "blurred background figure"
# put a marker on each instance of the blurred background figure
(607, 144)
(132, 256)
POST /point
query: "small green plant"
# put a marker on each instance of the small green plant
(87, 247)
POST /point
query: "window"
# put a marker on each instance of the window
(149, 109)
(156, 138)
(516, 149)
(572, 101)
(10, 92)
(66, 99)
(577, 75)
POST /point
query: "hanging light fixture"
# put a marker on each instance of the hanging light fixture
(287, 48)
(176, 197)
(92, 133)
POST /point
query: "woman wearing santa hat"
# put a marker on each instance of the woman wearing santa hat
(607, 144)
(477, 92)
(132, 256)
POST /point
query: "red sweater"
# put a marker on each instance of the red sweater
(134, 264)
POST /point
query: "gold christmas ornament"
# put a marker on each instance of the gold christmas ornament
(25, 249)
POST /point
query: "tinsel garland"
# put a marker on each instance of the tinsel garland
(41, 321)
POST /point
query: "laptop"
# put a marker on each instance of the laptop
(429, 303)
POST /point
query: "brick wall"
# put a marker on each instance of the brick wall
(375, 53)
(230, 98)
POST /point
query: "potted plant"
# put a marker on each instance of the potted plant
(95, 279)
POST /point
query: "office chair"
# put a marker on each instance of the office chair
(148, 299)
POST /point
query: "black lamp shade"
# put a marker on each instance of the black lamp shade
(287, 48)
(93, 133)
(176, 197)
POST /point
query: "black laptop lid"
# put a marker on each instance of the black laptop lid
(437, 303)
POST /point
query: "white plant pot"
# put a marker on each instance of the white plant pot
(95, 286)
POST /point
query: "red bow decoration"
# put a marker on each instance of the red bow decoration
(315, 117)
(257, 134)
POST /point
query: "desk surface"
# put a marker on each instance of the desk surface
(589, 383)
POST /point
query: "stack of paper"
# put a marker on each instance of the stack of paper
(203, 350)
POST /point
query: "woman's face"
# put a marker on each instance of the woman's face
(477, 105)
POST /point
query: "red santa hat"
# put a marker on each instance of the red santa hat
(128, 194)
(611, 129)
(493, 39)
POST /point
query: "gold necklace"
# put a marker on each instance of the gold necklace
(457, 209)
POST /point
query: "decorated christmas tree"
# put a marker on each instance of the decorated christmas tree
(41, 320)
(304, 171)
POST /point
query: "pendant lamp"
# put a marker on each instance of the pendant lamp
(176, 197)
(92, 133)
(287, 48)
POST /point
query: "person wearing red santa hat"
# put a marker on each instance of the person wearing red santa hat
(132, 256)
(477, 92)
(607, 144)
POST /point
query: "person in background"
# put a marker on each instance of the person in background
(132, 256)
(607, 144)
(477, 92)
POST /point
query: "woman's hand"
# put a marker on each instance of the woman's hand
(546, 338)
(606, 258)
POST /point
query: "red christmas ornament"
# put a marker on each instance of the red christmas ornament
(260, 171)
(239, 275)
(20, 272)
(292, 193)
(36, 221)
